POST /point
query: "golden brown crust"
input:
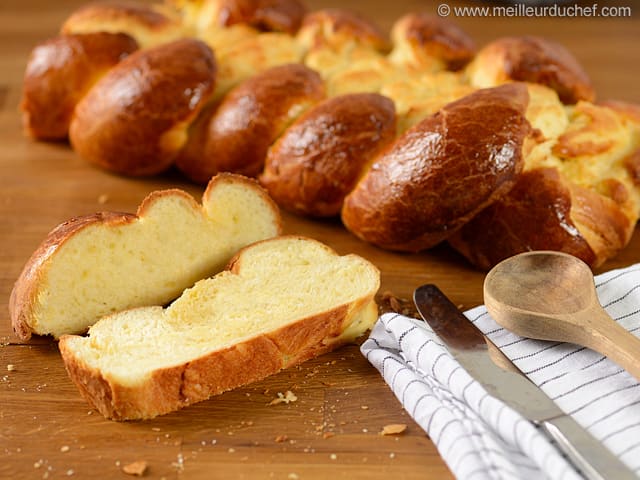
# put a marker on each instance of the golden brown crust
(236, 137)
(318, 160)
(544, 211)
(59, 73)
(25, 289)
(173, 388)
(335, 26)
(148, 25)
(601, 218)
(93, 387)
(436, 37)
(132, 122)
(534, 215)
(441, 172)
(268, 15)
(535, 60)
(632, 165)
(631, 111)
(594, 138)
(108, 12)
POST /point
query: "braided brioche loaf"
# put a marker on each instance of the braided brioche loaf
(413, 141)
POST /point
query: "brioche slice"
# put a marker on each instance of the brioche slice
(281, 301)
(99, 264)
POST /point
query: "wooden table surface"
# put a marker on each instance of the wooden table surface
(48, 431)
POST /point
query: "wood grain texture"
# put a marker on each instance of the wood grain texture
(47, 430)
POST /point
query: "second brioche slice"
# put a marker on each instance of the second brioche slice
(99, 264)
(282, 301)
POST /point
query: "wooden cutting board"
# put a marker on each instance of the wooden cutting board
(333, 429)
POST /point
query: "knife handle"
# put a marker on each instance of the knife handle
(593, 459)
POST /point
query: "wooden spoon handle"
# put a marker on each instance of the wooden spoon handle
(613, 341)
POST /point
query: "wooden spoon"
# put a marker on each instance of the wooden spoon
(552, 296)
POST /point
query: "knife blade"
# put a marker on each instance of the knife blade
(486, 364)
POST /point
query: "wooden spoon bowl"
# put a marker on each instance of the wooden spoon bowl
(551, 296)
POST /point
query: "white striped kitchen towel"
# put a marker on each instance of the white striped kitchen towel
(477, 435)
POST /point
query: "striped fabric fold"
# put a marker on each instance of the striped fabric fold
(481, 438)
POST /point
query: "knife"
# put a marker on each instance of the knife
(477, 354)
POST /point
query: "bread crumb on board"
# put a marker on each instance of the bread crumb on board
(287, 397)
(137, 468)
(393, 429)
(11, 367)
(389, 302)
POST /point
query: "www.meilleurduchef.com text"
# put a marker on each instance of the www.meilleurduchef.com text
(525, 10)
